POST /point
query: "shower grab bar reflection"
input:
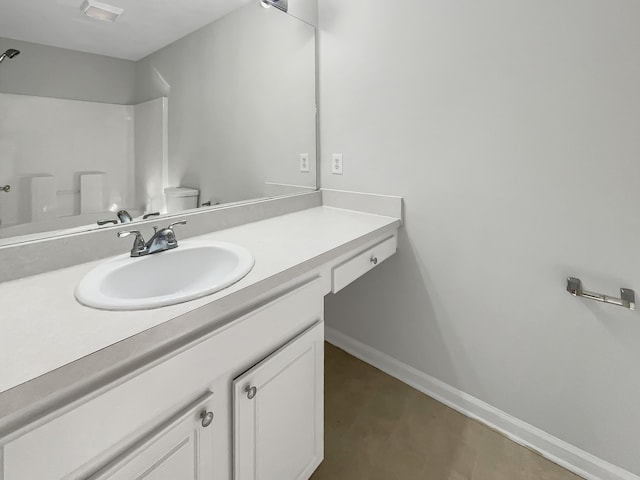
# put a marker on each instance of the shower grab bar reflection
(627, 296)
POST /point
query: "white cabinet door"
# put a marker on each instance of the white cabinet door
(181, 449)
(278, 414)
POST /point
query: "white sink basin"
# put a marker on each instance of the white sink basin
(192, 270)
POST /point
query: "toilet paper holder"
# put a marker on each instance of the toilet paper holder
(627, 296)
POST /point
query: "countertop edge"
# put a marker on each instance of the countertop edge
(115, 363)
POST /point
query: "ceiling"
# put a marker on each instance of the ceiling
(144, 27)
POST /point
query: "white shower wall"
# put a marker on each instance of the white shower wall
(151, 154)
(58, 140)
(63, 138)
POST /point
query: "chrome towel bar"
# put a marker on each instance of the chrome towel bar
(627, 296)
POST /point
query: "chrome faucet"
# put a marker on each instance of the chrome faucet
(162, 240)
(124, 216)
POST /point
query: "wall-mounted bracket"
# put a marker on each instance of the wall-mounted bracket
(627, 296)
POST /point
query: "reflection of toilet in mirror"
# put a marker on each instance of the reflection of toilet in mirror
(181, 198)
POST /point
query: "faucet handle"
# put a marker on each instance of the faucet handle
(182, 222)
(126, 233)
(139, 245)
(106, 222)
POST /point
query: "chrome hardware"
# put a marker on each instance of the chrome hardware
(147, 215)
(5, 189)
(251, 392)
(124, 216)
(207, 418)
(139, 247)
(374, 260)
(182, 222)
(163, 239)
(627, 296)
(279, 4)
(105, 222)
(126, 233)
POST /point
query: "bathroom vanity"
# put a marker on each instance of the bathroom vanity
(229, 385)
(225, 386)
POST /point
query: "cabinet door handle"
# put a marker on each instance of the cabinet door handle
(374, 260)
(207, 418)
(251, 392)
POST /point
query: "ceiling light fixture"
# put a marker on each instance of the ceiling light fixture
(101, 11)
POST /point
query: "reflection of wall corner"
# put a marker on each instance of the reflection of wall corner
(163, 86)
(151, 155)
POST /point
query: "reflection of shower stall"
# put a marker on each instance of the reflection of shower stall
(72, 163)
(43, 200)
(67, 224)
(38, 204)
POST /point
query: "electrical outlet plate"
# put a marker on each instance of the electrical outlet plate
(336, 164)
(304, 163)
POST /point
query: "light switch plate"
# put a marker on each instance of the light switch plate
(336, 164)
(304, 163)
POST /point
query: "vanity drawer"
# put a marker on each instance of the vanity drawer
(357, 266)
(76, 441)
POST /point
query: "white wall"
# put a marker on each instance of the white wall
(510, 127)
(305, 10)
(241, 103)
(46, 71)
(63, 139)
(151, 154)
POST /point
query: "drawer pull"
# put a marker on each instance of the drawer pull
(207, 418)
(358, 265)
(251, 392)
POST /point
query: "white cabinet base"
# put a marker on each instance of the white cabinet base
(278, 412)
(144, 424)
(181, 449)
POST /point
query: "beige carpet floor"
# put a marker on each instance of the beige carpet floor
(378, 428)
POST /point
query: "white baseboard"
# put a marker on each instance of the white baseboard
(558, 451)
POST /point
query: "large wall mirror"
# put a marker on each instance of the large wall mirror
(125, 109)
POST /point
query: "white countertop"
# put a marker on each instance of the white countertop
(44, 328)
